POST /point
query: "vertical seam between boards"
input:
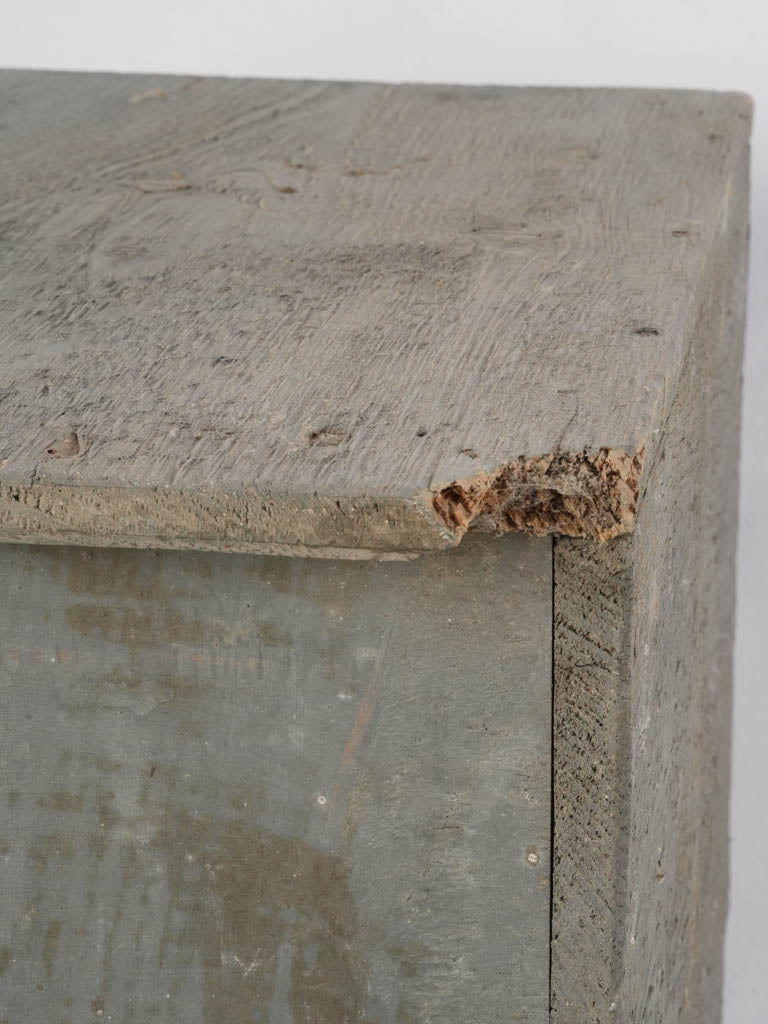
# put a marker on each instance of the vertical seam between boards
(552, 775)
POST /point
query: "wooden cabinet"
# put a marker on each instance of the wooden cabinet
(368, 483)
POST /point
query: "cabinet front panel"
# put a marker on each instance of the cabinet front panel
(289, 791)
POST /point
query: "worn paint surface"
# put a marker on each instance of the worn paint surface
(345, 318)
(254, 789)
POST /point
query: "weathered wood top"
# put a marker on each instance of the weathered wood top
(345, 318)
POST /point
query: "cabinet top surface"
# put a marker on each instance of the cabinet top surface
(265, 314)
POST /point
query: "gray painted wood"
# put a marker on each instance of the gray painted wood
(592, 753)
(275, 315)
(243, 788)
(359, 320)
(642, 702)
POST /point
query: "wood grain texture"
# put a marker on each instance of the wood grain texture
(642, 699)
(242, 788)
(592, 750)
(344, 318)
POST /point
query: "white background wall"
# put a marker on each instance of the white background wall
(719, 44)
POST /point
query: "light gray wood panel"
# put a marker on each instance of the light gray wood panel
(240, 788)
(642, 706)
(273, 315)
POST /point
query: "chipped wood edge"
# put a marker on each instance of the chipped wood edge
(574, 494)
(586, 494)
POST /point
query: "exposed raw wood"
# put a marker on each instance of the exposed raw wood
(344, 318)
(575, 495)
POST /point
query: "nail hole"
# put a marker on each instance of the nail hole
(65, 446)
(328, 436)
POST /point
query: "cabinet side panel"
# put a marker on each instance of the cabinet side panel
(640, 840)
(683, 601)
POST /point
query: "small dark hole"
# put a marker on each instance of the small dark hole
(680, 233)
(287, 190)
(421, 433)
(646, 330)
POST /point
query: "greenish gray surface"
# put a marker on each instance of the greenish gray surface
(261, 789)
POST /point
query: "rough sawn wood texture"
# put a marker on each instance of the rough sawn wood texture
(344, 318)
(360, 320)
(642, 704)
